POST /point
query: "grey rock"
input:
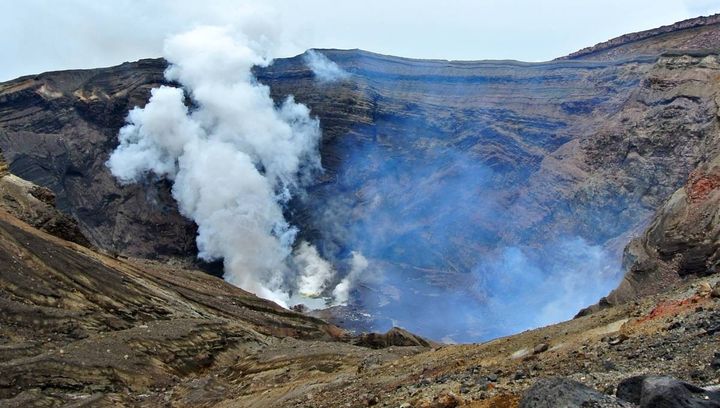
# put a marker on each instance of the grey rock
(630, 389)
(715, 363)
(668, 392)
(562, 392)
(665, 392)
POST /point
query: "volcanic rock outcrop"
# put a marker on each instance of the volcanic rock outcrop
(682, 240)
(36, 206)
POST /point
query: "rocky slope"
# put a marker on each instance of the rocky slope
(36, 206)
(75, 321)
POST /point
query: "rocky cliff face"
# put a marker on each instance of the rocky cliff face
(681, 241)
(57, 131)
(483, 156)
(36, 206)
(587, 149)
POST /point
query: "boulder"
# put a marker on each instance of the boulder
(541, 348)
(665, 392)
(562, 392)
(630, 389)
(394, 337)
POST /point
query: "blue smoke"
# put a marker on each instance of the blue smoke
(445, 258)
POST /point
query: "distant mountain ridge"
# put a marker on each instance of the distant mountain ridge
(693, 34)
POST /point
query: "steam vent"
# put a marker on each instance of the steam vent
(227, 227)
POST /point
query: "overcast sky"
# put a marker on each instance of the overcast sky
(42, 35)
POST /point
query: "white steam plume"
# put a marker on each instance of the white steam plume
(235, 158)
(324, 69)
(358, 265)
(314, 272)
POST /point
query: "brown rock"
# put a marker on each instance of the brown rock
(715, 291)
(693, 36)
(448, 400)
(36, 206)
(111, 316)
(541, 348)
(704, 289)
(393, 337)
(445, 399)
